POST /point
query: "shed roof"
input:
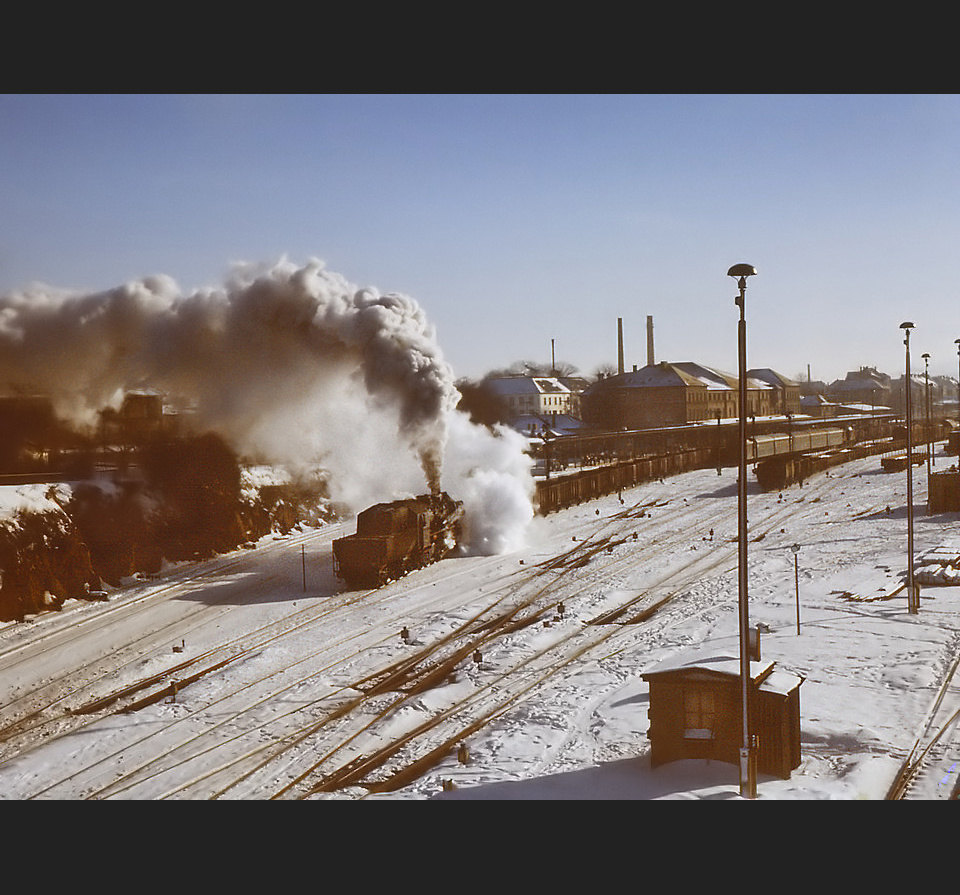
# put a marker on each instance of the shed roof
(722, 663)
(554, 424)
(762, 672)
(865, 409)
(718, 663)
(782, 682)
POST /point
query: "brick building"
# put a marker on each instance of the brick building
(667, 394)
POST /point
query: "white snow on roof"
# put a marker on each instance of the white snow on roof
(527, 385)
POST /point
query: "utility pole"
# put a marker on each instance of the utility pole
(912, 600)
(748, 758)
(926, 428)
(796, 580)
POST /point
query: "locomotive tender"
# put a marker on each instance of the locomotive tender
(394, 538)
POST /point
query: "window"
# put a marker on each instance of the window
(699, 713)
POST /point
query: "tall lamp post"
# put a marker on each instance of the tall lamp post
(796, 580)
(957, 343)
(748, 758)
(926, 390)
(911, 592)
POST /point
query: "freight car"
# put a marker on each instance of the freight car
(802, 441)
(557, 455)
(394, 538)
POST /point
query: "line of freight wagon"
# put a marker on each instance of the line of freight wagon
(774, 469)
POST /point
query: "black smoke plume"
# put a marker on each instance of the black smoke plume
(264, 360)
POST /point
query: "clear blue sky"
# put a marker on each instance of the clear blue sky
(515, 220)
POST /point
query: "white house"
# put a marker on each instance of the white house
(539, 396)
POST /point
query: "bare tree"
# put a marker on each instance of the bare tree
(605, 370)
(534, 368)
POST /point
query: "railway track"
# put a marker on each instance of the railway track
(355, 713)
(60, 634)
(936, 748)
(417, 749)
(73, 707)
(134, 697)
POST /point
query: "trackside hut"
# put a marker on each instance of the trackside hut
(696, 712)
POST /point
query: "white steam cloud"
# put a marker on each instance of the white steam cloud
(493, 479)
(291, 364)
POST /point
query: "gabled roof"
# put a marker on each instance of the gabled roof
(526, 385)
(720, 664)
(772, 377)
(655, 376)
(861, 384)
(762, 671)
(708, 376)
(686, 373)
(548, 386)
(574, 383)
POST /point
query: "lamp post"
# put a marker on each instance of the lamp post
(796, 580)
(748, 767)
(926, 389)
(911, 592)
(957, 343)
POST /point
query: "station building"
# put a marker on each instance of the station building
(864, 386)
(676, 394)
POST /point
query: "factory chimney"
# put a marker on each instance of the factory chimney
(650, 360)
(619, 344)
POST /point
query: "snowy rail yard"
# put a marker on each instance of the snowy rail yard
(255, 675)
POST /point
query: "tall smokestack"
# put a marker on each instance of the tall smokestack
(619, 344)
(650, 360)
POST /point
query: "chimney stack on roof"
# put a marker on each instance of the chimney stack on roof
(619, 344)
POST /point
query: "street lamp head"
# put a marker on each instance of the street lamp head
(907, 325)
(925, 356)
(741, 272)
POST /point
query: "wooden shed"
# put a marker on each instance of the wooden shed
(696, 712)
(943, 491)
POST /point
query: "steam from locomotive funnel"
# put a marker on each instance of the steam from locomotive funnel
(275, 343)
(292, 365)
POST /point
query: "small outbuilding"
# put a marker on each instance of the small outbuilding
(696, 711)
(943, 491)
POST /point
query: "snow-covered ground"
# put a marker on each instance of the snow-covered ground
(871, 669)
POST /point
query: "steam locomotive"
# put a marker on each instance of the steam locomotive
(394, 538)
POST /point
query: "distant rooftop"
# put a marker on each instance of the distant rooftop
(689, 373)
(526, 385)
